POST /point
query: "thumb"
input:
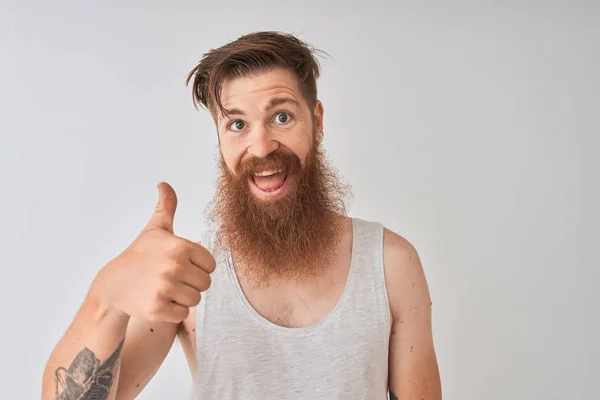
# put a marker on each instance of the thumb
(164, 213)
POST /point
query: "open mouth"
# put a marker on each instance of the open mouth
(270, 181)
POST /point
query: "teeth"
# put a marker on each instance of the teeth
(267, 172)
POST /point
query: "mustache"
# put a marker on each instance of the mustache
(289, 162)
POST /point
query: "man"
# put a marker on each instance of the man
(299, 301)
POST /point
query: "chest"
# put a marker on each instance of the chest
(296, 304)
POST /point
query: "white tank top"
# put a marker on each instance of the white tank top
(242, 355)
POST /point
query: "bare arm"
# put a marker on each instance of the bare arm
(187, 338)
(93, 360)
(129, 319)
(85, 362)
(413, 369)
(146, 347)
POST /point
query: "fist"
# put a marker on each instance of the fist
(160, 275)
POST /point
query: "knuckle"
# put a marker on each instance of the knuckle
(177, 268)
(159, 294)
(211, 265)
(163, 292)
(170, 270)
(207, 282)
(176, 247)
(201, 281)
(196, 299)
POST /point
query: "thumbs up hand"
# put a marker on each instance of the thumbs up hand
(160, 275)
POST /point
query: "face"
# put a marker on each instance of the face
(267, 116)
(278, 202)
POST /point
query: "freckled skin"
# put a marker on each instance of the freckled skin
(413, 366)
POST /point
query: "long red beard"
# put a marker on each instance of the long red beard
(294, 236)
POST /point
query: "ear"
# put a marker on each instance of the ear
(318, 116)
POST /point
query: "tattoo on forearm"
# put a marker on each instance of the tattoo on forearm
(87, 378)
(393, 396)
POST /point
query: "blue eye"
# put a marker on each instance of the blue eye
(282, 118)
(237, 125)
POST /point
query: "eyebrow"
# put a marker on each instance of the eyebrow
(273, 102)
(277, 101)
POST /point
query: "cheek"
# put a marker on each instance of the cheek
(301, 146)
(231, 158)
(304, 153)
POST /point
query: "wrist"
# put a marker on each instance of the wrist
(101, 298)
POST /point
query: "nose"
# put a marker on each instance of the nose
(262, 143)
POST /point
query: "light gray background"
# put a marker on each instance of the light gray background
(471, 128)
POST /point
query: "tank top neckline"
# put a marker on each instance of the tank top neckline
(304, 329)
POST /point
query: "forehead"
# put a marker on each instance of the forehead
(259, 87)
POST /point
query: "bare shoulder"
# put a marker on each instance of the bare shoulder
(405, 279)
(413, 369)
